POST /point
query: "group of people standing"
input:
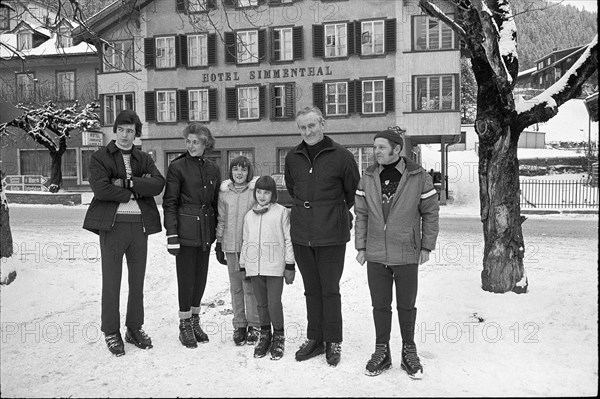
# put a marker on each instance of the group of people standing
(260, 241)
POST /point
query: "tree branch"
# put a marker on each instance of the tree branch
(434, 11)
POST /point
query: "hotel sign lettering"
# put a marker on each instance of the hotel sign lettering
(261, 74)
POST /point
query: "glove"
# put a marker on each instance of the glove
(117, 182)
(173, 245)
(220, 254)
(289, 275)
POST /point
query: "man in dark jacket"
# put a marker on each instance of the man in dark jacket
(321, 177)
(123, 213)
(397, 214)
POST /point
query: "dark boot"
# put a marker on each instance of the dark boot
(186, 333)
(239, 336)
(138, 337)
(115, 344)
(278, 345)
(381, 360)
(333, 353)
(310, 348)
(198, 332)
(411, 362)
(264, 343)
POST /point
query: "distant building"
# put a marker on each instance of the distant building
(470, 140)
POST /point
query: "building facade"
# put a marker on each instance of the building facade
(244, 67)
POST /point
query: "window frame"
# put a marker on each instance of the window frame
(201, 91)
(30, 96)
(170, 50)
(246, 48)
(28, 44)
(289, 46)
(115, 111)
(248, 108)
(122, 59)
(337, 103)
(455, 93)
(382, 37)
(442, 26)
(170, 105)
(337, 39)
(364, 92)
(202, 47)
(64, 38)
(72, 85)
(4, 18)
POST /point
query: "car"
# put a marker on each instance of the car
(283, 197)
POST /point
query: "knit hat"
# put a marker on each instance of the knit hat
(392, 135)
(128, 117)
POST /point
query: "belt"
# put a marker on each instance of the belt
(311, 204)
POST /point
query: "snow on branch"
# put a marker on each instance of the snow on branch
(434, 11)
(545, 105)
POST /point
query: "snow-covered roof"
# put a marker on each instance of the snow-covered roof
(48, 48)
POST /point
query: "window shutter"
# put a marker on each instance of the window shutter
(262, 101)
(272, 100)
(211, 4)
(150, 105)
(290, 101)
(318, 43)
(229, 3)
(183, 111)
(358, 38)
(352, 97)
(177, 52)
(212, 104)
(211, 42)
(261, 2)
(102, 108)
(149, 52)
(231, 103)
(358, 100)
(181, 6)
(183, 50)
(390, 35)
(262, 45)
(298, 42)
(390, 105)
(230, 55)
(272, 33)
(319, 96)
(350, 38)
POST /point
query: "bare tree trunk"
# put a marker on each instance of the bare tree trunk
(503, 269)
(55, 172)
(6, 242)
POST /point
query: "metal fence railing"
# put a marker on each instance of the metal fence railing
(558, 194)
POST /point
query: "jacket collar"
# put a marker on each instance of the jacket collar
(227, 185)
(407, 166)
(329, 145)
(112, 148)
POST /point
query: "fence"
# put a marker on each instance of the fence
(558, 194)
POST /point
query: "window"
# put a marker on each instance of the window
(435, 93)
(4, 18)
(247, 47)
(282, 44)
(114, 104)
(372, 38)
(247, 3)
(165, 52)
(196, 6)
(364, 157)
(432, 34)
(232, 154)
(65, 85)
(24, 40)
(37, 162)
(26, 87)
(64, 37)
(373, 100)
(336, 40)
(86, 156)
(197, 48)
(336, 98)
(166, 106)
(248, 104)
(118, 56)
(282, 101)
(198, 105)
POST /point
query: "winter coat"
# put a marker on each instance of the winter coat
(412, 222)
(233, 206)
(190, 200)
(107, 164)
(323, 193)
(269, 232)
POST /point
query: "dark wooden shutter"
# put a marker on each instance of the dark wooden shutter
(262, 45)
(351, 97)
(319, 96)
(261, 2)
(358, 38)
(102, 109)
(181, 6)
(183, 49)
(272, 100)
(211, 4)
(149, 52)
(150, 106)
(262, 101)
(212, 104)
(229, 3)
(390, 104)
(390, 35)
(230, 54)
(177, 52)
(231, 103)
(350, 38)
(290, 100)
(358, 100)
(272, 36)
(298, 42)
(211, 42)
(318, 40)
(183, 105)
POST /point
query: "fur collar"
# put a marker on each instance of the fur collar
(227, 184)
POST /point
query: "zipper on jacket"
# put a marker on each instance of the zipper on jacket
(114, 217)
(259, 242)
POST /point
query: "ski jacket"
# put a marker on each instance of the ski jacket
(233, 206)
(190, 200)
(323, 193)
(267, 245)
(107, 164)
(413, 219)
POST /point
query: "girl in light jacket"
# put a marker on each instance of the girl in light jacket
(236, 198)
(268, 257)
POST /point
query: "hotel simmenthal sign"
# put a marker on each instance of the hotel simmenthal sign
(92, 139)
(25, 183)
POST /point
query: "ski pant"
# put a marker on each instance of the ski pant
(268, 290)
(243, 301)
(128, 239)
(381, 279)
(192, 270)
(321, 269)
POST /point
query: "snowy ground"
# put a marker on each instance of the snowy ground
(472, 343)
